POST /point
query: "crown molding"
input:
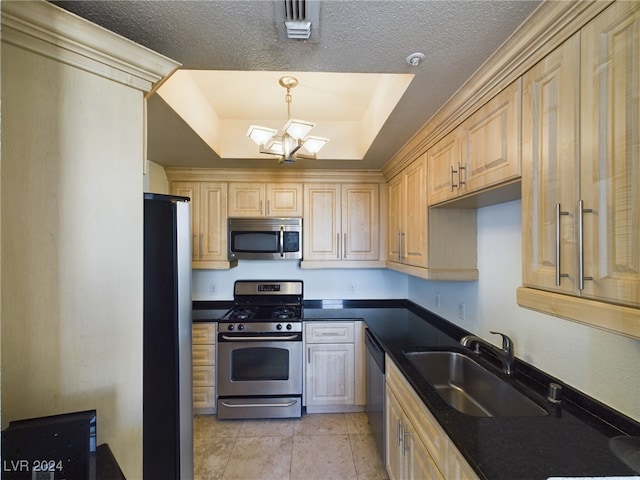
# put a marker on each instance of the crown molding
(273, 175)
(48, 30)
(547, 27)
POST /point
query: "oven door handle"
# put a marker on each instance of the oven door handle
(258, 405)
(257, 339)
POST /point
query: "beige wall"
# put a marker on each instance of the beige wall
(155, 179)
(72, 221)
(72, 249)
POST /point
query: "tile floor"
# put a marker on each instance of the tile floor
(332, 446)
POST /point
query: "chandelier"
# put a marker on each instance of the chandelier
(287, 142)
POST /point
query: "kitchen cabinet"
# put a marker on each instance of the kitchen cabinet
(416, 444)
(265, 199)
(208, 222)
(581, 175)
(204, 370)
(408, 215)
(407, 457)
(341, 224)
(484, 151)
(334, 369)
(431, 243)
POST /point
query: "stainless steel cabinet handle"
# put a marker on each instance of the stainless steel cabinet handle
(451, 184)
(405, 447)
(338, 245)
(195, 248)
(309, 355)
(268, 209)
(581, 212)
(200, 246)
(344, 247)
(460, 168)
(559, 275)
(260, 207)
(399, 246)
(399, 429)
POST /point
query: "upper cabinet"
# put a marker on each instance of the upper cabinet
(581, 175)
(484, 151)
(341, 224)
(430, 243)
(265, 199)
(407, 237)
(208, 222)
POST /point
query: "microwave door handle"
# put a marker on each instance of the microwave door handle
(281, 241)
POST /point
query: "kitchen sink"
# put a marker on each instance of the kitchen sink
(470, 388)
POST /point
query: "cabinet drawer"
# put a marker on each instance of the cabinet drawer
(330, 332)
(204, 333)
(204, 376)
(204, 355)
(204, 397)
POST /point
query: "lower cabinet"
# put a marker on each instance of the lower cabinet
(204, 369)
(407, 457)
(416, 445)
(334, 366)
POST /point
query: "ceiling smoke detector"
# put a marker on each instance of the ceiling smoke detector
(297, 19)
(415, 59)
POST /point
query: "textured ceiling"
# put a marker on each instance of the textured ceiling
(363, 36)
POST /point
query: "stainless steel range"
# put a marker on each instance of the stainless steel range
(259, 361)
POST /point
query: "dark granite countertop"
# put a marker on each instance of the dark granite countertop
(571, 444)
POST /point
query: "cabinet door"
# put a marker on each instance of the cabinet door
(330, 374)
(191, 190)
(321, 232)
(360, 222)
(414, 239)
(396, 192)
(491, 141)
(283, 200)
(610, 154)
(213, 221)
(246, 199)
(394, 436)
(550, 163)
(443, 165)
(420, 464)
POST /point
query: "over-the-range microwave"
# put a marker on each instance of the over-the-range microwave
(264, 238)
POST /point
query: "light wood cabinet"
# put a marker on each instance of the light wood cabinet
(407, 457)
(204, 370)
(208, 222)
(430, 243)
(408, 215)
(341, 222)
(416, 444)
(581, 173)
(334, 369)
(482, 152)
(265, 199)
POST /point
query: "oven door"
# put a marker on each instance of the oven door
(253, 365)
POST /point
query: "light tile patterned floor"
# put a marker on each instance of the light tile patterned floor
(332, 446)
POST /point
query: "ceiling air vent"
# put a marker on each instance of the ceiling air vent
(297, 19)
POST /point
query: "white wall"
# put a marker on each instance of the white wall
(318, 284)
(603, 365)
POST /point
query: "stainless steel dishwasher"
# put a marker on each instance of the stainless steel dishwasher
(375, 390)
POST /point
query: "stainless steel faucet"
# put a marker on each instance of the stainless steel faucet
(505, 354)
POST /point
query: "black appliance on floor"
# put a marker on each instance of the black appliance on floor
(167, 378)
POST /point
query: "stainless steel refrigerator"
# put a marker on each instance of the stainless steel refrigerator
(167, 433)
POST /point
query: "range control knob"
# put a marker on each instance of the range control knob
(289, 326)
(279, 326)
(241, 327)
(230, 327)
